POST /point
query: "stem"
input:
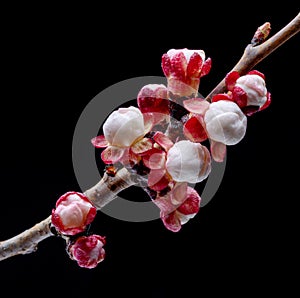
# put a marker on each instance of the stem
(100, 195)
(254, 54)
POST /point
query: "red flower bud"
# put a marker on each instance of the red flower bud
(73, 213)
(88, 251)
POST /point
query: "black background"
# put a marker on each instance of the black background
(55, 60)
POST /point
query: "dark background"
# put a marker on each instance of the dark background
(55, 60)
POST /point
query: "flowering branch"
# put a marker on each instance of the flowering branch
(164, 163)
(259, 49)
(100, 195)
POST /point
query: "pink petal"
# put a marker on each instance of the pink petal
(164, 204)
(218, 150)
(158, 179)
(179, 66)
(206, 67)
(192, 204)
(196, 105)
(112, 154)
(149, 122)
(194, 65)
(99, 141)
(222, 96)
(171, 221)
(194, 130)
(230, 79)
(256, 72)
(142, 146)
(153, 98)
(179, 193)
(163, 140)
(239, 96)
(155, 159)
(166, 64)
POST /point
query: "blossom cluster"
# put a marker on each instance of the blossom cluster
(142, 137)
(71, 216)
(171, 150)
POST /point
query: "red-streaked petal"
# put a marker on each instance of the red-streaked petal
(158, 179)
(230, 79)
(239, 96)
(112, 154)
(99, 141)
(179, 193)
(166, 64)
(155, 159)
(194, 129)
(163, 140)
(218, 151)
(256, 72)
(222, 96)
(194, 65)
(171, 221)
(192, 203)
(179, 66)
(142, 146)
(196, 105)
(267, 103)
(206, 67)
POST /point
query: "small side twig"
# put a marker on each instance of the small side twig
(253, 53)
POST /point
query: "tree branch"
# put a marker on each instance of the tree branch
(100, 195)
(254, 54)
(110, 185)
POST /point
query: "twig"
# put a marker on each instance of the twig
(253, 54)
(100, 195)
(109, 186)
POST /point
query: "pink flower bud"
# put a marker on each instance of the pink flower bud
(183, 69)
(174, 219)
(88, 251)
(188, 162)
(124, 126)
(255, 88)
(225, 122)
(153, 99)
(73, 213)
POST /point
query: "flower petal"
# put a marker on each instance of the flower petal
(196, 105)
(158, 179)
(112, 154)
(155, 159)
(163, 140)
(206, 67)
(179, 193)
(230, 79)
(99, 141)
(194, 129)
(171, 221)
(192, 203)
(218, 150)
(194, 65)
(142, 146)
